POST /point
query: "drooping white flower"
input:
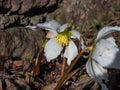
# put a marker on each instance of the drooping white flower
(106, 54)
(60, 37)
(97, 72)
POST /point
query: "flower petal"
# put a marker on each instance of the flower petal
(103, 86)
(106, 30)
(32, 27)
(52, 26)
(107, 54)
(63, 27)
(82, 44)
(71, 52)
(75, 34)
(51, 35)
(52, 49)
(97, 72)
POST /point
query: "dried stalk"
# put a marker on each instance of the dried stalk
(63, 78)
(63, 66)
(36, 69)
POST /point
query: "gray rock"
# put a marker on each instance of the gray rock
(82, 12)
(22, 6)
(20, 42)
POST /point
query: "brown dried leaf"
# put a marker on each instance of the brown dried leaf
(50, 87)
(18, 63)
(21, 82)
(36, 69)
(89, 38)
(85, 83)
(26, 66)
(96, 86)
(9, 85)
(4, 57)
(8, 63)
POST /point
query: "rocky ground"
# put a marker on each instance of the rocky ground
(20, 47)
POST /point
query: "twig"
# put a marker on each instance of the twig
(36, 68)
(63, 78)
(63, 66)
(73, 73)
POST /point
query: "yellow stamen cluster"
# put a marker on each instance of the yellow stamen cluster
(62, 39)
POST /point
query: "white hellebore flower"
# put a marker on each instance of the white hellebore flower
(106, 54)
(60, 37)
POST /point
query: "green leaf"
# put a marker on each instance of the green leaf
(95, 22)
(69, 27)
(44, 41)
(96, 25)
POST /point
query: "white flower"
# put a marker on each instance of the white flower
(106, 54)
(60, 37)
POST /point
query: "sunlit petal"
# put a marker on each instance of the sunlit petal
(106, 53)
(71, 52)
(52, 49)
(52, 25)
(105, 31)
(97, 72)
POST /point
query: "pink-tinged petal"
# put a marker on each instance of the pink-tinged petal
(51, 35)
(105, 31)
(71, 52)
(52, 26)
(52, 49)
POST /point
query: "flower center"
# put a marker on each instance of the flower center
(62, 39)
